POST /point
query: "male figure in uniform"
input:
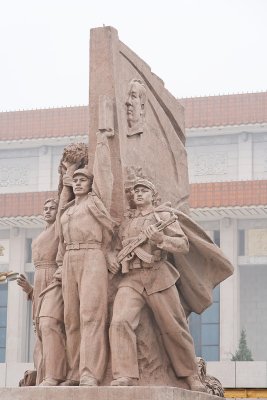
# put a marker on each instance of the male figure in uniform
(50, 351)
(50, 365)
(150, 282)
(86, 232)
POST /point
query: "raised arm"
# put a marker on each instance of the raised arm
(171, 239)
(103, 177)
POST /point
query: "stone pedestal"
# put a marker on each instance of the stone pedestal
(103, 393)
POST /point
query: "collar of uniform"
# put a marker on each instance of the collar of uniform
(68, 205)
(144, 212)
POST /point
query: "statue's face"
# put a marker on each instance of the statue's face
(133, 104)
(50, 212)
(143, 196)
(81, 185)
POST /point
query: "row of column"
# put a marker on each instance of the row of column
(229, 291)
(16, 305)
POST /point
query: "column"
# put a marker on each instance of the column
(229, 292)
(245, 156)
(15, 306)
(45, 168)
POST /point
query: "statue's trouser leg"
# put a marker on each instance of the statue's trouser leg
(72, 321)
(53, 345)
(84, 284)
(171, 320)
(42, 279)
(127, 308)
(37, 360)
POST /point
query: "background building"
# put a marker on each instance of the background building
(227, 157)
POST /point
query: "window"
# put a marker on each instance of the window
(241, 242)
(28, 252)
(205, 329)
(3, 321)
(217, 238)
(252, 242)
(253, 308)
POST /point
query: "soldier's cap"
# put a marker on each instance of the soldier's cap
(83, 171)
(146, 183)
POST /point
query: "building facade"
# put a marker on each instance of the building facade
(227, 158)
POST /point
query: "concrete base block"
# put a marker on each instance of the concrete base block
(224, 371)
(102, 393)
(2, 375)
(251, 374)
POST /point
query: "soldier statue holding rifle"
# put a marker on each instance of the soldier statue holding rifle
(148, 278)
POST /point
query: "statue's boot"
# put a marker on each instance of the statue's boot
(69, 382)
(123, 381)
(195, 384)
(88, 381)
(49, 382)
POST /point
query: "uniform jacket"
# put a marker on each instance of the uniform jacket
(160, 274)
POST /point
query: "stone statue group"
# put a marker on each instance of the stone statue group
(83, 249)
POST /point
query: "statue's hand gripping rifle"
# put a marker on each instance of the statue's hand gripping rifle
(133, 248)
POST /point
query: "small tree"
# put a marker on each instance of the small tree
(243, 353)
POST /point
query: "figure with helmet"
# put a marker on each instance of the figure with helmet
(150, 280)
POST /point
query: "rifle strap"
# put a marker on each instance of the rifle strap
(157, 217)
(144, 255)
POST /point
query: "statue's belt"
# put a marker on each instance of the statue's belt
(78, 246)
(139, 259)
(45, 264)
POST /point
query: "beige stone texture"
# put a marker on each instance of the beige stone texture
(44, 251)
(159, 150)
(100, 393)
(136, 129)
(147, 140)
(85, 231)
(49, 350)
(152, 284)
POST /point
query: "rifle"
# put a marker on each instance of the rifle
(127, 253)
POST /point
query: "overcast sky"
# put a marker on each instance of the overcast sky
(198, 47)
